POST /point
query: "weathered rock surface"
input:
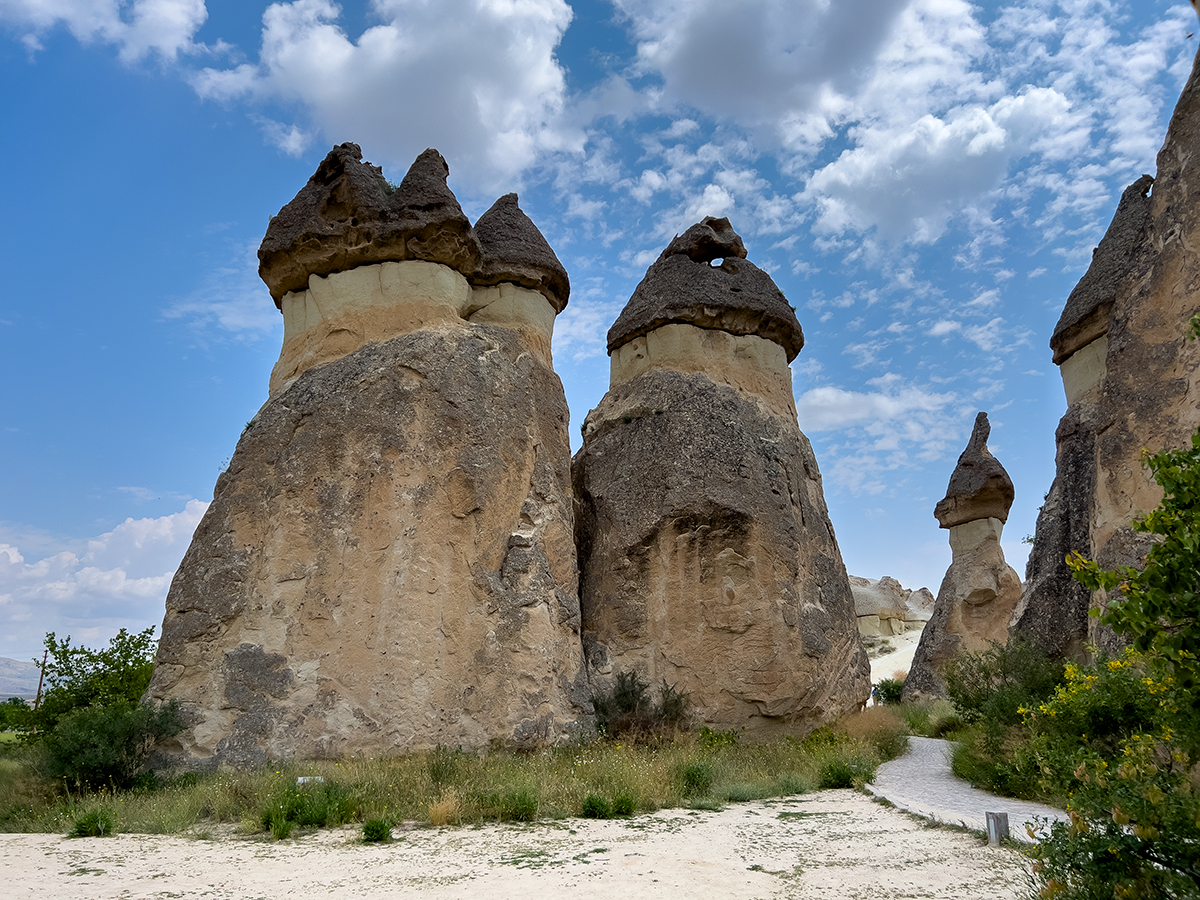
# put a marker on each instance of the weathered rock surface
(736, 297)
(389, 561)
(348, 215)
(1132, 382)
(706, 554)
(885, 607)
(979, 487)
(980, 589)
(1114, 262)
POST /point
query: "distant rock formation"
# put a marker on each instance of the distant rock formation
(706, 553)
(1132, 381)
(980, 590)
(885, 607)
(389, 561)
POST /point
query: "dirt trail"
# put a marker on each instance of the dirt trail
(828, 845)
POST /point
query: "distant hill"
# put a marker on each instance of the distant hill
(17, 679)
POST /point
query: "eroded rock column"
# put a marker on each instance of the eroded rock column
(707, 556)
(1132, 382)
(980, 590)
(388, 563)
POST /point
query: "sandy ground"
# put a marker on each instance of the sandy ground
(899, 660)
(828, 845)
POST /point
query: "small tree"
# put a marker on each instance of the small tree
(14, 713)
(1122, 738)
(1159, 606)
(91, 728)
(77, 677)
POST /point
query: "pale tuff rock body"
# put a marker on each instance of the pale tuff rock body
(706, 553)
(389, 561)
(885, 607)
(1132, 381)
(980, 590)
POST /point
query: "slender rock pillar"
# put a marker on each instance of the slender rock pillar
(980, 590)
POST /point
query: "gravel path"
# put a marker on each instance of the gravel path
(921, 782)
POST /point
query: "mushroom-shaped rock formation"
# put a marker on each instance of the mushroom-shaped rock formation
(515, 251)
(979, 487)
(389, 561)
(1085, 315)
(684, 286)
(706, 553)
(348, 215)
(350, 263)
(980, 590)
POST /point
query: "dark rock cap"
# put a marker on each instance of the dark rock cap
(1085, 315)
(348, 216)
(683, 287)
(514, 250)
(979, 487)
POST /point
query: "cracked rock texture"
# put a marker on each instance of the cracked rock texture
(388, 562)
(706, 553)
(980, 589)
(1132, 381)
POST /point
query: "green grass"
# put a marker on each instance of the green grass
(8, 737)
(496, 786)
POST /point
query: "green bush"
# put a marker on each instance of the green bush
(376, 831)
(519, 806)
(696, 777)
(596, 807)
(846, 767)
(1132, 779)
(993, 685)
(628, 709)
(624, 805)
(106, 746)
(889, 690)
(14, 714)
(97, 823)
(312, 805)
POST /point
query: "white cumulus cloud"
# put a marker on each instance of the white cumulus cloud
(477, 79)
(118, 579)
(137, 28)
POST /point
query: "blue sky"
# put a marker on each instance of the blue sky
(924, 179)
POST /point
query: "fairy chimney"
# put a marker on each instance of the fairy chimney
(707, 558)
(388, 562)
(980, 589)
(1131, 379)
